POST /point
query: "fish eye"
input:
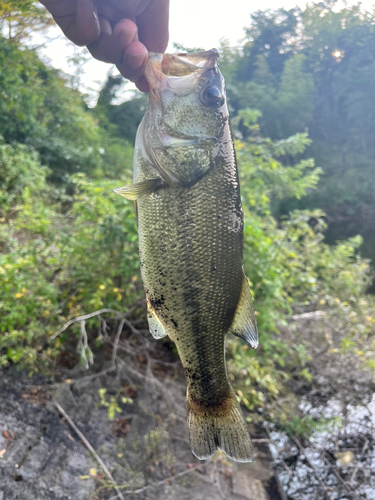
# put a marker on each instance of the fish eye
(212, 96)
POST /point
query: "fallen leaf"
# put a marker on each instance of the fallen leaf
(8, 435)
(84, 477)
(345, 457)
(2, 452)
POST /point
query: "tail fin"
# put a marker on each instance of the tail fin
(223, 428)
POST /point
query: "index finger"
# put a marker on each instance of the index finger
(77, 19)
(153, 25)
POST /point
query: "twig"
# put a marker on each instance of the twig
(115, 343)
(91, 377)
(308, 315)
(352, 479)
(344, 466)
(217, 483)
(85, 349)
(88, 445)
(155, 382)
(83, 318)
(334, 470)
(303, 451)
(160, 483)
(279, 452)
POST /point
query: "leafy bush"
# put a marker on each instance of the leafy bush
(37, 108)
(290, 268)
(55, 266)
(20, 170)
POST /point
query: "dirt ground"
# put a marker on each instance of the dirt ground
(58, 442)
(145, 448)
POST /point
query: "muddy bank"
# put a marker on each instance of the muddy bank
(145, 447)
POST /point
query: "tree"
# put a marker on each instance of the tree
(39, 110)
(271, 34)
(20, 18)
(295, 97)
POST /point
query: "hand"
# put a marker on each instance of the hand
(115, 31)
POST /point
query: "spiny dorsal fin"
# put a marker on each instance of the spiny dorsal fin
(244, 323)
(139, 189)
(156, 328)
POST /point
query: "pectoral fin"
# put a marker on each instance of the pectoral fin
(244, 323)
(139, 189)
(156, 328)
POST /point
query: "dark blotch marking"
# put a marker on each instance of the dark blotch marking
(174, 323)
(157, 303)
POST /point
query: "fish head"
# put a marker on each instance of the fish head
(187, 95)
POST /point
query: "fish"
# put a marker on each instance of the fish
(190, 227)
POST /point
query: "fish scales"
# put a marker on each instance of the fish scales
(184, 263)
(190, 227)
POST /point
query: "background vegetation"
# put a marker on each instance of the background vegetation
(302, 100)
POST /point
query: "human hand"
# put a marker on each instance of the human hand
(115, 31)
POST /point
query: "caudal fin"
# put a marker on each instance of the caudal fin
(223, 429)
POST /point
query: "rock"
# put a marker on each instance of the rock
(46, 460)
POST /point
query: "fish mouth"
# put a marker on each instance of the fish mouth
(179, 73)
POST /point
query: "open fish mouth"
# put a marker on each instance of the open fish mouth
(179, 73)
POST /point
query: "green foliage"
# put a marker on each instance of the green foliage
(69, 245)
(306, 426)
(121, 120)
(289, 266)
(269, 35)
(100, 250)
(38, 109)
(20, 18)
(112, 403)
(312, 70)
(55, 266)
(20, 173)
(29, 301)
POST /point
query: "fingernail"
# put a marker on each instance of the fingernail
(95, 10)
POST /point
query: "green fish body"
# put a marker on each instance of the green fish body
(190, 228)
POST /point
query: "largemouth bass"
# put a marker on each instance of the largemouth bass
(190, 227)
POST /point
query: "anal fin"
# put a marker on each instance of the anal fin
(156, 328)
(139, 189)
(244, 323)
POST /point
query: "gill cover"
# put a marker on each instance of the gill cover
(185, 117)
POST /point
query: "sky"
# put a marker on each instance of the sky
(197, 23)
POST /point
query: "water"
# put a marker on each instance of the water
(336, 464)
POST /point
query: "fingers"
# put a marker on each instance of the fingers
(125, 45)
(142, 84)
(133, 63)
(86, 28)
(111, 44)
(153, 26)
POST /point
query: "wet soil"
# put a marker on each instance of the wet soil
(145, 447)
